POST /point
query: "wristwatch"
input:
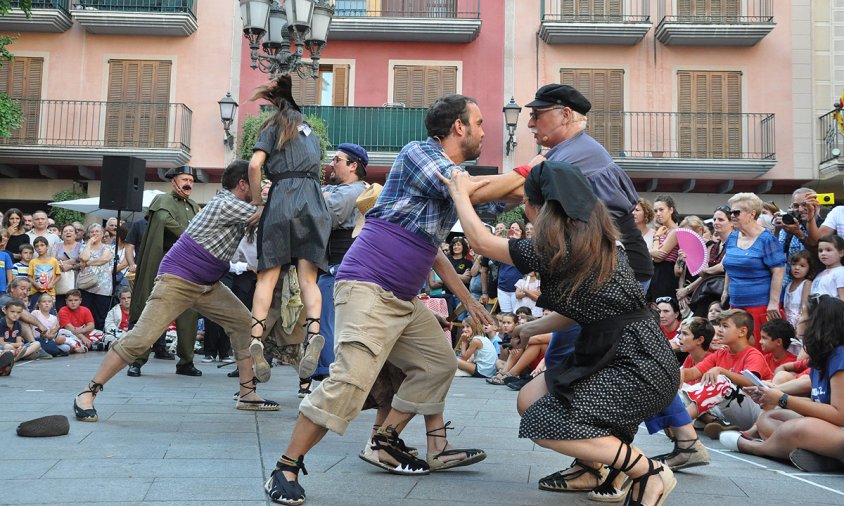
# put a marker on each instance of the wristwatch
(783, 402)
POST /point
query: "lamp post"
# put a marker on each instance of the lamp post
(228, 108)
(282, 29)
(511, 119)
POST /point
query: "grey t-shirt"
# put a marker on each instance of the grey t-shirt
(341, 202)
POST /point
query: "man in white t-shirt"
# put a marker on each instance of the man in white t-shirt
(39, 228)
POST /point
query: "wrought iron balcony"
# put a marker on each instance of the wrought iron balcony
(623, 22)
(82, 131)
(714, 22)
(406, 20)
(831, 144)
(47, 16)
(378, 129)
(703, 144)
(137, 17)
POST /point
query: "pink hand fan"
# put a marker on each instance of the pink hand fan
(693, 245)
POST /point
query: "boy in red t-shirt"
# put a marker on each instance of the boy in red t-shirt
(721, 378)
(77, 319)
(776, 336)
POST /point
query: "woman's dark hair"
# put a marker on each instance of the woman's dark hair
(287, 117)
(668, 200)
(9, 212)
(647, 209)
(122, 232)
(833, 239)
(825, 330)
(444, 112)
(521, 225)
(568, 245)
(461, 241)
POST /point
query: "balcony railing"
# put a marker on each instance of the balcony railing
(43, 4)
(46, 16)
(377, 129)
(706, 136)
(714, 22)
(470, 9)
(830, 136)
(620, 22)
(163, 6)
(92, 124)
(597, 11)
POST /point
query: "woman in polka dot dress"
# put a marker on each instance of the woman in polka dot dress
(623, 370)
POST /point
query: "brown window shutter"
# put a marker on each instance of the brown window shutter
(306, 90)
(401, 84)
(416, 86)
(21, 79)
(713, 129)
(138, 111)
(341, 85)
(605, 90)
(449, 82)
(419, 85)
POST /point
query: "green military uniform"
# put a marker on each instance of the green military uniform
(168, 217)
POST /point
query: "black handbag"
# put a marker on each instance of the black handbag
(709, 288)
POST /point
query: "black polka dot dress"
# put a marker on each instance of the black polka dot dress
(641, 379)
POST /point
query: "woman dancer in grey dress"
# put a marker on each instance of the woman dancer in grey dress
(295, 223)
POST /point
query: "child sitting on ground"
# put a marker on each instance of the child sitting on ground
(775, 339)
(117, 320)
(44, 272)
(506, 324)
(491, 332)
(11, 337)
(50, 341)
(721, 377)
(77, 322)
(477, 354)
(695, 337)
(22, 267)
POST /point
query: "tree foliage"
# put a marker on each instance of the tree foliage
(251, 127)
(65, 216)
(515, 214)
(24, 5)
(10, 112)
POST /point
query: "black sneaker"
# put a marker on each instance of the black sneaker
(283, 491)
(388, 440)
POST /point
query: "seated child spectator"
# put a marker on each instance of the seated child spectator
(713, 316)
(695, 337)
(807, 431)
(50, 341)
(491, 332)
(44, 272)
(775, 339)
(477, 354)
(77, 322)
(721, 378)
(11, 336)
(523, 359)
(117, 320)
(22, 267)
(506, 324)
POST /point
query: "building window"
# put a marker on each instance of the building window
(21, 80)
(138, 109)
(420, 85)
(331, 88)
(605, 89)
(708, 9)
(709, 119)
(591, 9)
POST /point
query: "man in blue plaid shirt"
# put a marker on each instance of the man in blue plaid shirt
(189, 277)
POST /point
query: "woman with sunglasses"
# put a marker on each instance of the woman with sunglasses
(709, 286)
(805, 430)
(754, 263)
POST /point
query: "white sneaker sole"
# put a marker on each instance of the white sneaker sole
(310, 359)
(262, 367)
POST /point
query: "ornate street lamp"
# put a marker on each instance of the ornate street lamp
(228, 107)
(283, 29)
(511, 119)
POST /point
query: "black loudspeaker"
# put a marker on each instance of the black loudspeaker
(122, 183)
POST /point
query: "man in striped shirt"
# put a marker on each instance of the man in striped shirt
(189, 277)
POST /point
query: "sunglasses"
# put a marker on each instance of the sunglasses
(723, 209)
(536, 113)
(735, 212)
(816, 297)
(660, 300)
(337, 159)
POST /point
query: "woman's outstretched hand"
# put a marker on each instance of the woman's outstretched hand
(462, 184)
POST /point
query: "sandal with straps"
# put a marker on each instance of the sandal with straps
(256, 349)
(257, 405)
(87, 415)
(304, 387)
(613, 489)
(473, 455)
(576, 478)
(636, 495)
(387, 439)
(680, 458)
(280, 489)
(314, 342)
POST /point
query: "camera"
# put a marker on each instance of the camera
(790, 217)
(826, 199)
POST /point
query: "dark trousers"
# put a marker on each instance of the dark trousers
(217, 343)
(99, 306)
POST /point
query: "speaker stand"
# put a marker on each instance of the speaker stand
(115, 298)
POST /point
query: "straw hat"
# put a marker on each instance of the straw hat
(364, 203)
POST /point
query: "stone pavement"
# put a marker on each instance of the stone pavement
(167, 439)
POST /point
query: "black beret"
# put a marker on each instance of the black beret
(561, 94)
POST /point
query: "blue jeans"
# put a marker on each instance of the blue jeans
(326, 324)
